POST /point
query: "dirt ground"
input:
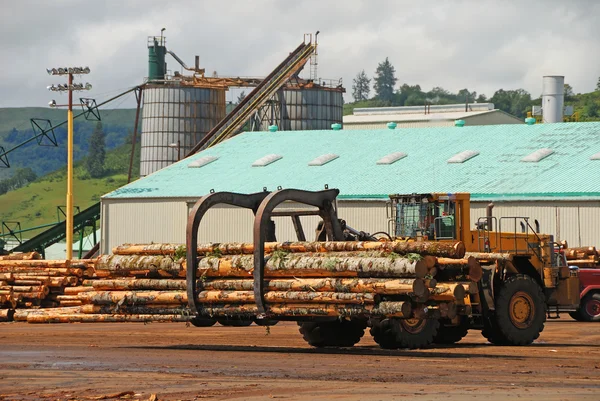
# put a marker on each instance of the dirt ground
(94, 361)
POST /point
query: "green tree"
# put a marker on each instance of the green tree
(598, 85)
(407, 91)
(569, 92)
(515, 102)
(241, 97)
(591, 109)
(361, 86)
(95, 161)
(385, 80)
(482, 98)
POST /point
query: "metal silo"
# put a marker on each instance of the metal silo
(553, 98)
(174, 119)
(306, 108)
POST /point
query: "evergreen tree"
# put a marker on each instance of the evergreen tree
(361, 87)
(598, 85)
(95, 161)
(385, 80)
(241, 97)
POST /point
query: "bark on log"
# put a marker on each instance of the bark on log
(122, 265)
(35, 282)
(158, 309)
(6, 276)
(83, 318)
(32, 295)
(452, 268)
(21, 314)
(67, 298)
(489, 256)
(391, 309)
(285, 297)
(46, 264)
(137, 284)
(21, 256)
(355, 285)
(133, 297)
(448, 292)
(443, 249)
(584, 263)
(70, 303)
(290, 265)
(580, 252)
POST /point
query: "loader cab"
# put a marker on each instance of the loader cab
(430, 217)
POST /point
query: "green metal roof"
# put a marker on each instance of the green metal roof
(496, 172)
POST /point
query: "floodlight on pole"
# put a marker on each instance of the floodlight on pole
(70, 87)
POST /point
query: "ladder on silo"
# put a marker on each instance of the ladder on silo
(233, 122)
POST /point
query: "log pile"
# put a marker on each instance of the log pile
(301, 278)
(139, 283)
(28, 283)
(586, 257)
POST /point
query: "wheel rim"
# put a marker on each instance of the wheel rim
(522, 309)
(592, 307)
(413, 326)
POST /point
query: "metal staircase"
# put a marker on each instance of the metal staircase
(229, 126)
(58, 232)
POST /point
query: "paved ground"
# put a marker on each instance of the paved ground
(88, 361)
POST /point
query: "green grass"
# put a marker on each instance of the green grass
(36, 203)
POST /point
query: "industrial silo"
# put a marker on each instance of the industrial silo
(174, 119)
(553, 98)
(306, 108)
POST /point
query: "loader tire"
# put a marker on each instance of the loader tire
(451, 334)
(520, 310)
(590, 308)
(405, 333)
(577, 315)
(492, 332)
(339, 333)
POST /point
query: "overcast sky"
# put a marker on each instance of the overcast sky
(480, 45)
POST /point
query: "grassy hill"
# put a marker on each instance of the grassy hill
(35, 204)
(15, 128)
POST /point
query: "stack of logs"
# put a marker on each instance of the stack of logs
(28, 284)
(586, 257)
(401, 279)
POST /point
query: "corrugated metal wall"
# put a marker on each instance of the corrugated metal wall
(145, 221)
(172, 114)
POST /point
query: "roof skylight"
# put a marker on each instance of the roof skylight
(595, 156)
(266, 160)
(463, 156)
(392, 158)
(323, 159)
(537, 155)
(203, 161)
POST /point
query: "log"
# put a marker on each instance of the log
(471, 288)
(580, 252)
(33, 295)
(459, 269)
(6, 276)
(24, 289)
(22, 256)
(70, 303)
(489, 256)
(285, 297)
(157, 309)
(83, 318)
(147, 249)
(35, 264)
(391, 309)
(291, 265)
(77, 290)
(42, 271)
(356, 285)
(21, 314)
(6, 315)
(137, 284)
(61, 298)
(120, 265)
(35, 282)
(583, 263)
(133, 297)
(7, 292)
(448, 292)
(443, 249)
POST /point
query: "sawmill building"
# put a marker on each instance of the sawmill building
(548, 172)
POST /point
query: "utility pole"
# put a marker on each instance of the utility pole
(69, 87)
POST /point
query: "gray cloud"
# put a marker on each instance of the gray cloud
(482, 45)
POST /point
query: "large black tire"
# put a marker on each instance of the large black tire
(404, 333)
(577, 315)
(339, 333)
(451, 334)
(202, 322)
(266, 322)
(234, 322)
(492, 332)
(589, 310)
(520, 310)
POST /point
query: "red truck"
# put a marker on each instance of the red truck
(589, 308)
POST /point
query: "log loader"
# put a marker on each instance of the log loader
(429, 280)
